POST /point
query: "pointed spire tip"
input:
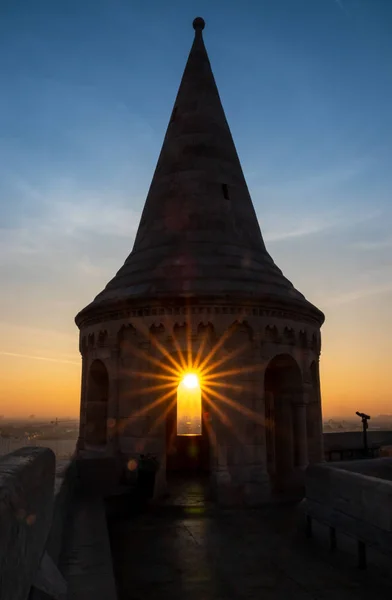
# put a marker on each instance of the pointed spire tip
(198, 24)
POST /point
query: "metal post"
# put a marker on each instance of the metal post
(365, 419)
(365, 444)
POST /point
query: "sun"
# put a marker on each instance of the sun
(190, 380)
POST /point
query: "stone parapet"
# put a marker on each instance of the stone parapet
(27, 479)
(353, 498)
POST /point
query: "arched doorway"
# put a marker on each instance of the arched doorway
(283, 393)
(187, 438)
(97, 404)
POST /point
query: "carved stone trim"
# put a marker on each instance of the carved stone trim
(191, 310)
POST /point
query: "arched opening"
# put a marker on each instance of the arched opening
(187, 438)
(284, 420)
(97, 404)
(189, 419)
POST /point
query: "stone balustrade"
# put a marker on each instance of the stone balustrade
(354, 498)
(54, 542)
(34, 503)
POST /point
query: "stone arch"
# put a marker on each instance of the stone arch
(206, 329)
(206, 337)
(239, 334)
(303, 339)
(180, 330)
(289, 335)
(83, 345)
(126, 337)
(97, 404)
(271, 333)
(185, 454)
(102, 337)
(314, 343)
(182, 334)
(157, 330)
(283, 387)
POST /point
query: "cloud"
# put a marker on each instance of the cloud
(340, 4)
(347, 297)
(65, 218)
(275, 230)
(373, 244)
(46, 358)
(54, 262)
(303, 228)
(312, 183)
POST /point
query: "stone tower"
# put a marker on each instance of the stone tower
(200, 292)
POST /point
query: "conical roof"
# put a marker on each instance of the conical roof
(199, 235)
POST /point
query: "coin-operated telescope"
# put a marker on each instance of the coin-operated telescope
(365, 419)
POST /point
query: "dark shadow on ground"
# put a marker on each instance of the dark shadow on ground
(189, 550)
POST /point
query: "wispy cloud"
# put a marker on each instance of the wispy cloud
(65, 218)
(296, 230)
(340, 4)
(312, 182)
(276, 230)
(373, 244)
(46, 358)
(358, 294)
(55, 262)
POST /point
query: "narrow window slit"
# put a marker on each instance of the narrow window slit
(225, 191)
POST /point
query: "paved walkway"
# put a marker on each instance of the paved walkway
(86, 560)
(196, 554)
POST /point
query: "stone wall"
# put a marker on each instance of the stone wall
(353, 498)
(141, 348)
(26, 507)
(35, 500)
(353, 440)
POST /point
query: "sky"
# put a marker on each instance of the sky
(87, 92)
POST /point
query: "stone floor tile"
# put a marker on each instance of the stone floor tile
(235, 555)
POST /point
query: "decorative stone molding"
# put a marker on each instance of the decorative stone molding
(303, 339)
(271, 333)
(181, 329)
(240, 330)
(255, 311)
(206, 330)
(289, 335)
(157, 330)
(102, 338)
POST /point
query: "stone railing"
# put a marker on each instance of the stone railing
(34, 505)
(354, 498)
(348, 445)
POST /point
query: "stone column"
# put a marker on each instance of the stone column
(82, 420)
(221, 479)
(113, 404)
(300, 434)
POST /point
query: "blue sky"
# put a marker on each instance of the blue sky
(87, 90)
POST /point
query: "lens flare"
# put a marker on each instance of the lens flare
(184, 380)
(191, 380)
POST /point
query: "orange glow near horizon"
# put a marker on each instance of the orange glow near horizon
(44, 378)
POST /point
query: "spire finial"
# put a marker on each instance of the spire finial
(198, 24)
